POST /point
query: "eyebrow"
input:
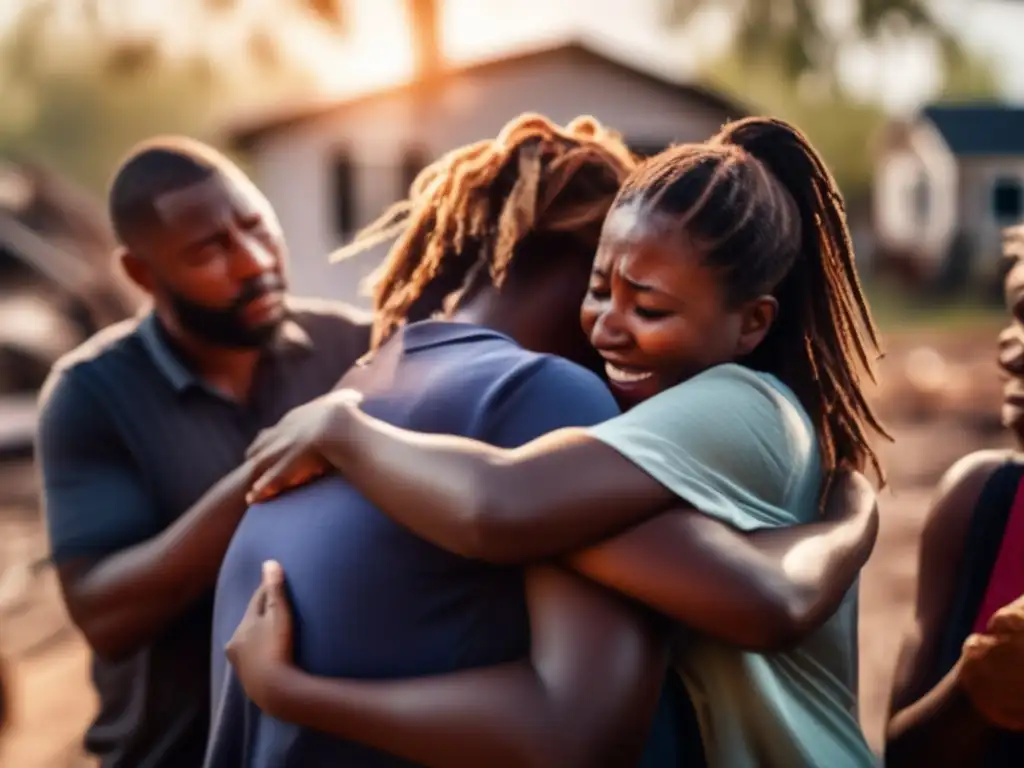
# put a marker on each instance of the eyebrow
(641, 287)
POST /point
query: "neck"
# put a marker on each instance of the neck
(500, 312)
(515, 315)
(227, 370)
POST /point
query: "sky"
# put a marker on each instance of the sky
(378, 52)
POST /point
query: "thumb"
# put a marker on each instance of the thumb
(273, 583)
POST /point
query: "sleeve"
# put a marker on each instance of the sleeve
(94, 501)
(733, 443)
(552, 394)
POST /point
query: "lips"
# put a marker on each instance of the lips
(268, 302)
(621, 375)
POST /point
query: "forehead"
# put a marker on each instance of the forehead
(207, 203)
(636, 239)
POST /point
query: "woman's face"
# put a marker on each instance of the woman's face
(1011, 354)
(655, 313)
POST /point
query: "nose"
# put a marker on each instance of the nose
(610, 331)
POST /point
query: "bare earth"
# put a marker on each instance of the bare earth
(936, 414)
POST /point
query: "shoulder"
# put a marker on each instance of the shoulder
(542, 393)
(339, 335)
(748, 390)
(957, 495)
(731, 441)
(552, 376)
(731, 403)
(115, 341)
(106, 352)
(324, 316)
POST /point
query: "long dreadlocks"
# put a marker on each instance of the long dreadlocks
(476, 210)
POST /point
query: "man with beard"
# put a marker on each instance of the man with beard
(143, 431)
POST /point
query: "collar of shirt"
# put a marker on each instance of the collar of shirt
(433, 333)
(290, 337)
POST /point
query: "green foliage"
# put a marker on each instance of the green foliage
(838, 125)
(767, 76)
(968, 75)
(797, 33)
(81, 112)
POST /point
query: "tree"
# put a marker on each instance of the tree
(79, 98)
(802, 33)
(841, 126)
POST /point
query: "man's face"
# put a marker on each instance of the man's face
(214, 261)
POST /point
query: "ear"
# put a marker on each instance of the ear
(137, 269)
(755, 322)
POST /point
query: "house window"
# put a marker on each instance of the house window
(647, 148)
(414, 160)
(1007, 200)
(344, 192)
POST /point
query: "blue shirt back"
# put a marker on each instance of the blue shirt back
(371, 600)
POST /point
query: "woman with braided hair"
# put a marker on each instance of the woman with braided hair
(958, 694)
(710, 252)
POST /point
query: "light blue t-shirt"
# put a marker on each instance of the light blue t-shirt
(737, 445)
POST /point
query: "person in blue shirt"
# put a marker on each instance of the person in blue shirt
(572, 696)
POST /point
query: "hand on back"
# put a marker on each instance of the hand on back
(287, 455)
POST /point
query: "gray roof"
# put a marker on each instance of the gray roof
(244, 132)
(979, 128)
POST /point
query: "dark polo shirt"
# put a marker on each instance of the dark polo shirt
(372, 600)
(129, 439)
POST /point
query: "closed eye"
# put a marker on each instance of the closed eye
(651, 314)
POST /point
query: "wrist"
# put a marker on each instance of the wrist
(964, 695)
(336, 438)
(280, 683)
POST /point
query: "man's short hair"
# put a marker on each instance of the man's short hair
(154, 168)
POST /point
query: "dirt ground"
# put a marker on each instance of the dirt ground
(938, 408)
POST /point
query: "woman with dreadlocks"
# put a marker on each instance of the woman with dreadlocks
(958, 693)
(724, 301)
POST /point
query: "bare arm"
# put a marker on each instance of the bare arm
(938, 725)
(764, 591)
(584, 699)
(123, 601)
(558, 493)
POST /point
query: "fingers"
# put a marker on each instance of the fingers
(257, 603)
(259, 445)
(273, 585)
(1008, 620)
(262, 460)
(976, 646)
(272, 481)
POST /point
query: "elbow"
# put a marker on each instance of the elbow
(782, 622)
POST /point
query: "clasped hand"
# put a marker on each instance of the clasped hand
(992, 668)
(289, 454)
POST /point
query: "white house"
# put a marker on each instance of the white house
(329, 169)
(946, 183)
